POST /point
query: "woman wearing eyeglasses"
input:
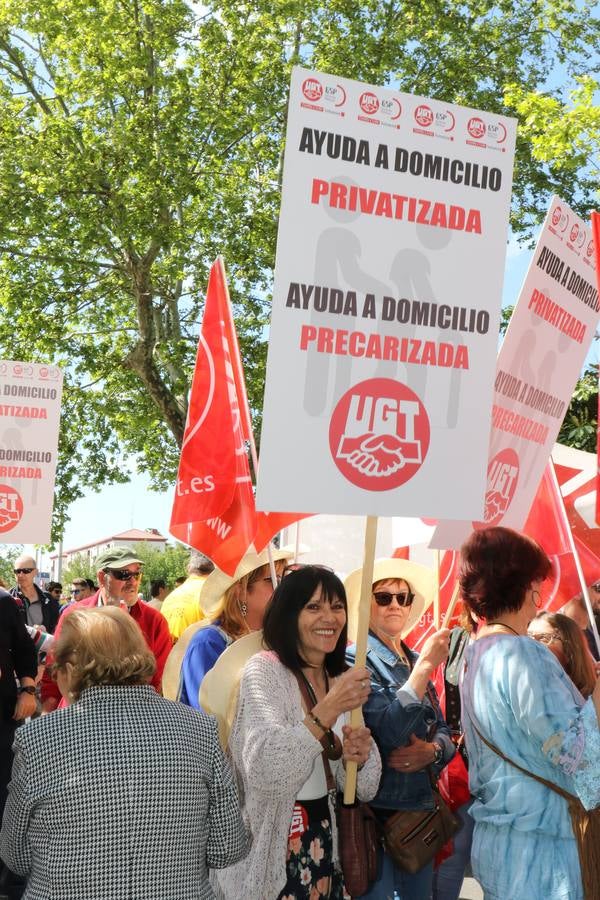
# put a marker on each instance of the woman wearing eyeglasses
(565, 639)
(524, 721)
(402, 710)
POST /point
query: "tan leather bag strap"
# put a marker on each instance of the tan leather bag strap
(570, 798)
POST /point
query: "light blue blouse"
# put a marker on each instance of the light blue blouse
(518, 695)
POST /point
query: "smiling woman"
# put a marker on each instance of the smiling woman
(290, 715)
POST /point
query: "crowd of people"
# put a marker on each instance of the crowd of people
(123, 786)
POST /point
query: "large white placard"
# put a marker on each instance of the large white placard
(386, 303)
(30, 396)
(548, 337)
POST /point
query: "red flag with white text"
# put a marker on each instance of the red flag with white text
(213, 507)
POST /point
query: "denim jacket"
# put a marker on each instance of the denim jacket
(393, 715)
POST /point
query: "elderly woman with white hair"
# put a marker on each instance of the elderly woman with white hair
(402, 710)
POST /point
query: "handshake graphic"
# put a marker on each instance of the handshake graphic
(379, 455)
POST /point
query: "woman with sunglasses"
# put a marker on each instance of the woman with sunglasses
(402, 711)
(565, 639)
(289, 744)
(532, 740)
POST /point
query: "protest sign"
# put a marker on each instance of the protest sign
(549, 334)
(30, 409)
(386, 303)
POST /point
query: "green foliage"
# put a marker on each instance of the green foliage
(580, 425)
(139, 140)
(9, 553)
(169, 564)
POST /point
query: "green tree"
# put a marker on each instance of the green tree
(9, 553)
(580, 425)
(169, 564)
(140, 138)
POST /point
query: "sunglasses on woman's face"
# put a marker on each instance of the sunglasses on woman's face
(384, 598)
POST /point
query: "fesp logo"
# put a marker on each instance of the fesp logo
(574, 233)
(312, 89)
(11, 507)
(379, 434)
(502, 479)
(590, 249)
(369, 103)
(424, 116)
(476, 127)
(556, 214)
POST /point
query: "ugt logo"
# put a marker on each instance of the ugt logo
(11, 507)
(502, 479)
(379, 434)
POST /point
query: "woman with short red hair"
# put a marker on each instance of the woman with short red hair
(532, 740)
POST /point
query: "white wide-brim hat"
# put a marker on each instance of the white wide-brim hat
(220, 687)
(211, 595)
(421, 581)
(218, 582)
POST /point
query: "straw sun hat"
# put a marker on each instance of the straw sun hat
(421, 581)
(211, 595)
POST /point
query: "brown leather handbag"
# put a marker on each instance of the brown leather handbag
(413, 837)
(358, 846)
(357, 826)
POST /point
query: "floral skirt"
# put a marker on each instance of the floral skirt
(311, 874)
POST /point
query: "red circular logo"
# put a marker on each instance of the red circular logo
(423, 115)
(379, 434)
(574, 233)
(369, 103)
(502, 479)
(556, 215)
(11, 507)
(590, 249)
(312, 90)
(476, 127)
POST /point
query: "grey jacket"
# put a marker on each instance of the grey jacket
(122, 796)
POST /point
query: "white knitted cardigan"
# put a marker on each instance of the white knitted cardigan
(273, 754)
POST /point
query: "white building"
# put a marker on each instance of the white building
(91, 551)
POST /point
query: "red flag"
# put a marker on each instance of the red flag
(213, 507)
(447, 580)
(546, 520)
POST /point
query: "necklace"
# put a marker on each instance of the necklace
(504, 625)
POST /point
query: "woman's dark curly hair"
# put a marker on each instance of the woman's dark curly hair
(497, 567)
(280, 623)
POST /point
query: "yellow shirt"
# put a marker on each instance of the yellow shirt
(181, 607)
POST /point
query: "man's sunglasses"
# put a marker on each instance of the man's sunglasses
(384, 598)
(123, 574)
(22, 571)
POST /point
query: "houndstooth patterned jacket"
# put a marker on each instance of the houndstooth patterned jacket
(122, 796)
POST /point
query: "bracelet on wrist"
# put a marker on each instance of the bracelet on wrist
(27, 689)
(316, 720)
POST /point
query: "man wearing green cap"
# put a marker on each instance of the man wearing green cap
(119, 572)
